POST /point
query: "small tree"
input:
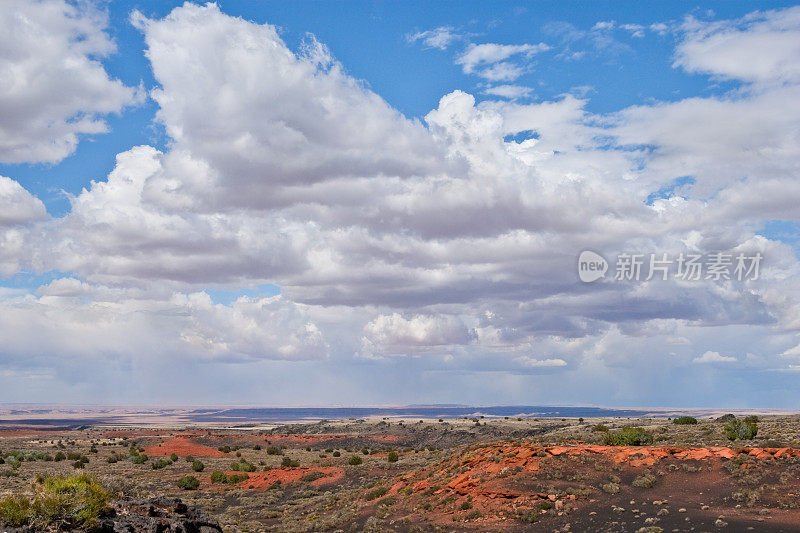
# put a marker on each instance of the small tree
(355, 460)
(393, 457)
(197, 466)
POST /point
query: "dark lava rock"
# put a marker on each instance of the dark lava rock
(154, 515)
(157, 515)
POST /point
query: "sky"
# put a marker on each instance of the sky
(382, 203)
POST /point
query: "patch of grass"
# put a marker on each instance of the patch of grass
(15, 510)
(312, 476)
(527, 516)
(375, 493)
(68, 502)
(474, 515)
(244, 466)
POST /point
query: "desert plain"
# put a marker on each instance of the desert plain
(608, 474)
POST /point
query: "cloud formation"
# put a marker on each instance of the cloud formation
(54, 87)
(489, 60)
(453, 237)
(440, 38)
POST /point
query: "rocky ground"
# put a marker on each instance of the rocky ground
(450, 475)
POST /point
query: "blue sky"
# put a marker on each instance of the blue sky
(400, 190)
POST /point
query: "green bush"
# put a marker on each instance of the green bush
(197, 466)
(161, 463)
(685, 420)
(219, 477)
(237, 478)
(274, 450)
(600, 428)
(66, 502)
(741, 429)
(355, 460)
(287, 462)
(15, 510)
(244, 466)
(628, 436)
(140, 459)
(337, 453)
(393, 457)
(188, 483)
(174, 457)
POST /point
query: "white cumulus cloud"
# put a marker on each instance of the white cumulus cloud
(54, 87)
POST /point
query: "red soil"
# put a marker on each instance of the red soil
(264, 480)
(482, 464)
(498, 480)
(183, 446)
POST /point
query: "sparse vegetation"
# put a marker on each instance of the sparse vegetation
(685, 420)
